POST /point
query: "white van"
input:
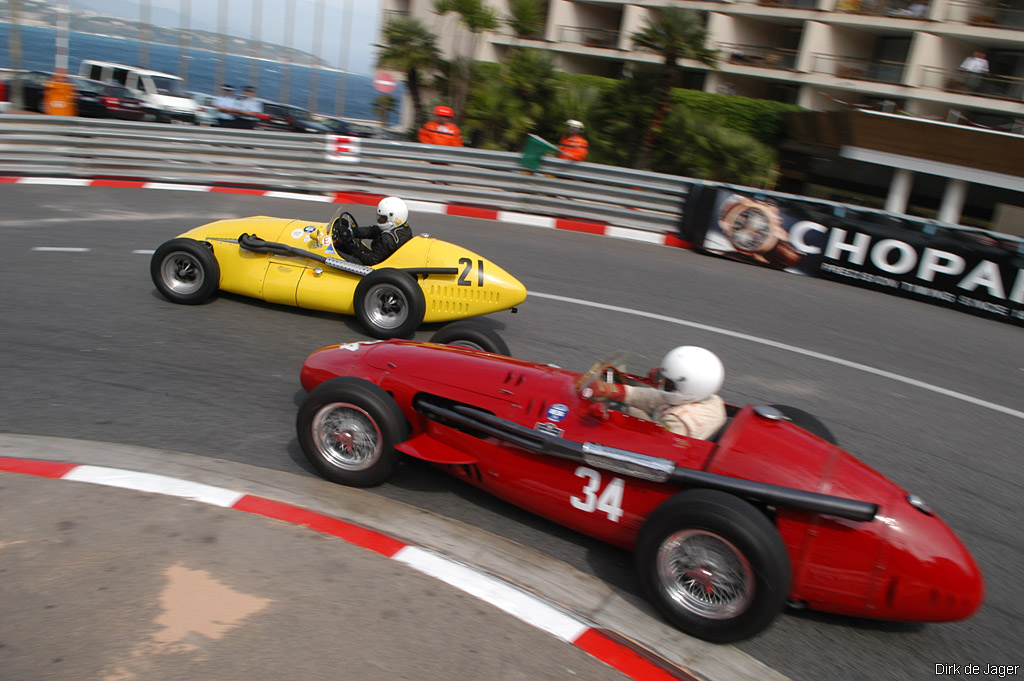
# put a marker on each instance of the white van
(164, 94)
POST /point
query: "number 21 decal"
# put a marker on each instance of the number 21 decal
(608, 501)
(467, 268)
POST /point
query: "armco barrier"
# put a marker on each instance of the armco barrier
(967, 269)
(86, 148)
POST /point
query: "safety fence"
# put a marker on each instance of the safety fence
(966, 269)
(77, 147)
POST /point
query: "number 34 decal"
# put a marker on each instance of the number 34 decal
(608, 501)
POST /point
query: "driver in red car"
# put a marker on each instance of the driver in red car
(686, 400)
(391, 231)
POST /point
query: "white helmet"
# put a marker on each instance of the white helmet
(392, 212)
(573, 123)
(691, 374)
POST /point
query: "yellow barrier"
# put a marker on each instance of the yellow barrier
(59, 97)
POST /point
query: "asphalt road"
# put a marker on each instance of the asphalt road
(90, 350)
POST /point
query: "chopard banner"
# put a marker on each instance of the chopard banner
(965, 270)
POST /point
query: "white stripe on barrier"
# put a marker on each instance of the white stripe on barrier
(158, 484)
(426, 206)
(498, 593)
(61, 181)
(634, 235)
(176, 187)
(299, 197)
(524, 219)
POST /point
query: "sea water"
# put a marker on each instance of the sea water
(38, 54)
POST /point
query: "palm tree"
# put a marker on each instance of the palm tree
(526, 17)
(383, 107)
(411, 48)
(675, 34)
(476, 17)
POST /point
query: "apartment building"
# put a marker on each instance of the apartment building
(900, 56)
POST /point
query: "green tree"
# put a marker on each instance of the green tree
(383, 106)
(697, 146)
(520, 91)
(411, 48)
(674, 34)
(526, 17)
(475, 17)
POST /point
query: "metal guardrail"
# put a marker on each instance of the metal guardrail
(78, 147)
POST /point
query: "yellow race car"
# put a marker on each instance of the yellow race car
(292, 262)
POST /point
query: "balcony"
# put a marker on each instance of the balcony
(786, 4)
(759, 56)
(986, 15)
(901, 9)
(856, 68)
(979, 85)
(590, 37)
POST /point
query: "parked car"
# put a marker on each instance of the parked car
(342, 127)
(103, 100)
(285, 117)
(163, 93)
(32, 88)
(206, 113)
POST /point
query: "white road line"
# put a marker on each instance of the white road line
(789, 348)
(144, 252)
(60, 249)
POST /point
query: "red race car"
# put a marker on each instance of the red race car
(724, 531)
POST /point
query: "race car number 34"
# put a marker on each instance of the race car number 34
(608, 501)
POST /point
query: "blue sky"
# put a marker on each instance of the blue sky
(361, 32)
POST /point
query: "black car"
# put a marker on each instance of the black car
(285, 117)
(96, 99)
(33, 88)
(342, 127)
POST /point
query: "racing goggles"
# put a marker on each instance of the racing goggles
(664, 383)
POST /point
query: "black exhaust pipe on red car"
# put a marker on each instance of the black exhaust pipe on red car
(644, 466)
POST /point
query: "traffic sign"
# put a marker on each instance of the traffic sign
(384, 82)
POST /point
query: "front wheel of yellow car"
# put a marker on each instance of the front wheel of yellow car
(389, 304)
(185, 271)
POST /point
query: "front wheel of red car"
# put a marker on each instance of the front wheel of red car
(713, 565)
(185, 271)
(348, 429)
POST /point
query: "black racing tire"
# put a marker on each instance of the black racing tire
(389, 304)
(808, 422)
(471, 334)
(348, 429)
(185, 271)
(713, 565)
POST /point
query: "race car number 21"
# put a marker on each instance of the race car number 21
(609, 500)
(467, 268)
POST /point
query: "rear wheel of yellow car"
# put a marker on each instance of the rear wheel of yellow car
(185, 271)
(389, 304)
(469, 333)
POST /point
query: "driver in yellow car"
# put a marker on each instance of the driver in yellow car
(686, 400)
(387, 235)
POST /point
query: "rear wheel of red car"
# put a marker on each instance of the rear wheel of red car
(471, 334)
(713, 565)
(348, 429)
(185, 271)
(389, 304)
(808, 422)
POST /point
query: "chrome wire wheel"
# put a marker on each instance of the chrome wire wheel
(386, 306)
(182, 272)
(346, 436)
(704, 574)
